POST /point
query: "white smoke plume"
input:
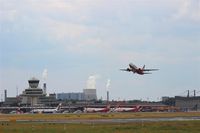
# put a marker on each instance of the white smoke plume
(108, 84)
(45, 74)
(91, 82)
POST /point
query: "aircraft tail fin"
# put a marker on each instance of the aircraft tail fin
(143, 67)
(59, 106)
(108, 106)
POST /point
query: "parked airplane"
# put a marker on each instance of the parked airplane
(141, 71)
(127, 109)
(95, 110)
(17, 111)
(46, 110)
(124, 109)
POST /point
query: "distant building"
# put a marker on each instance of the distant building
(90, 94)
(188, 103)
(70, 96)
(33, 95)
(12, 101)
(165, 98)
(87, 94)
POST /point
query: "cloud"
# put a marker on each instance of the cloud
(45, 74)
(108, 84)
(96, 27)
(61, 31)
(91, 82)
(188, 10)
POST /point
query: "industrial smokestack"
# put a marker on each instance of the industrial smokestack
(188, 94)
(45, 88)
(107, 96)
(16, 91)
(107, 91)
(44, 76)
(5, 94)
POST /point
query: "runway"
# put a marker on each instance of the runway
(99, 121)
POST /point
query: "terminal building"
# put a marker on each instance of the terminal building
(188, 103)
(49, 100)
(34, 95)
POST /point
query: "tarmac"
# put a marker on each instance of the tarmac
(99, 121)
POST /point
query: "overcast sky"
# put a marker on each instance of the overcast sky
(72, 41)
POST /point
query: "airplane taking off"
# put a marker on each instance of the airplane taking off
(140, 71)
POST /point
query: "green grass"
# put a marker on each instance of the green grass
(10, 123)
(139, 127)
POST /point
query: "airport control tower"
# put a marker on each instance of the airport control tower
(31, 95)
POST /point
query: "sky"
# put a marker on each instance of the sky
(65, 43)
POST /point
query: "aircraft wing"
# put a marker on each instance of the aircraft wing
(150, 69)
(147, 73)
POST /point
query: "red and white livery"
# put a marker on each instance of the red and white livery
(140, 71)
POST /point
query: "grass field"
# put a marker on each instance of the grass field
(10, 123)
(147, 127)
